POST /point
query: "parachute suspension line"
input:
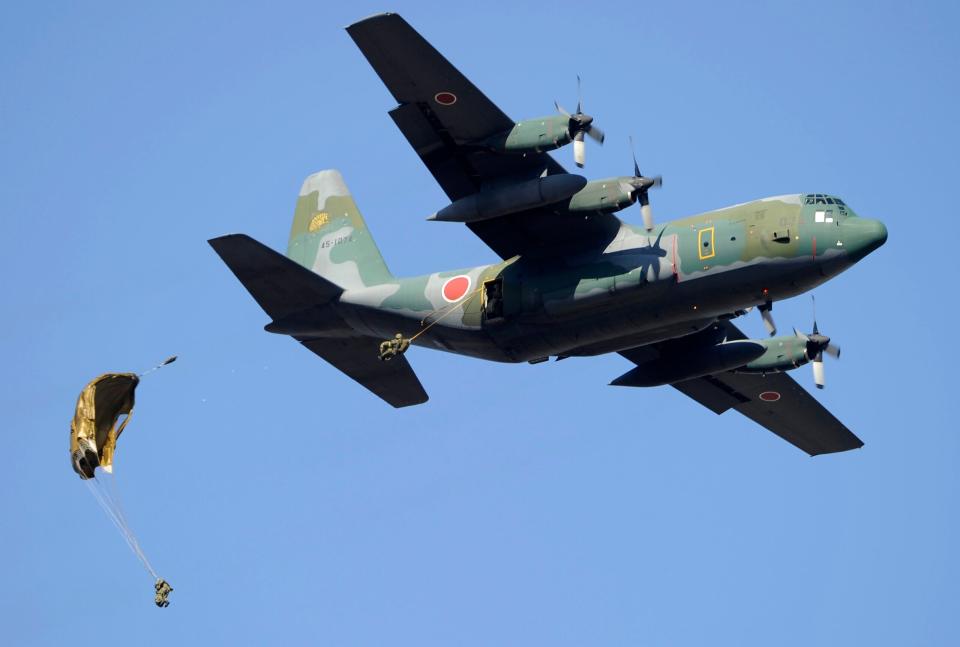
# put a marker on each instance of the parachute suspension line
(109, 507)
(449, 309)
(111, 490)
(169, 360)
(110, 503)
(96, 489)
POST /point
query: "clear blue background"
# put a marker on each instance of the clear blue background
(522, 505)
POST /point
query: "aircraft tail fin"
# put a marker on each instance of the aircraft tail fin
(330, 237)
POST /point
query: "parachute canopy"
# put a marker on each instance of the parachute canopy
(94, 431)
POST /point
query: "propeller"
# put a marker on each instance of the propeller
(817, 345)
(640, 186)
(580, 124)
(766, 313)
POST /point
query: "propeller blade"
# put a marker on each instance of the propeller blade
(818, 377)
(595, 134)
(658, 181)
(579, 152)
(813, 301)
(767, 316)
(647, 214)
(833, 351)
(800, 335)
(561, 110)
(579, 111)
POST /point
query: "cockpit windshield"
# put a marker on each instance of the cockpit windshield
(822, 198)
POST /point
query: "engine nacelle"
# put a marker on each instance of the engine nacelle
(533, 136)
(783, 353)
(679, 366)
(607, 195)
(501, 200)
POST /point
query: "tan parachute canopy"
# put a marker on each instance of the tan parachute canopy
(94, 431)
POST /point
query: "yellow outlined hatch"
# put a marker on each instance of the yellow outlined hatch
(705, 244)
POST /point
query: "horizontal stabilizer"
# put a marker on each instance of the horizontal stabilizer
(291, 294)
(281, 286)
(394, 381)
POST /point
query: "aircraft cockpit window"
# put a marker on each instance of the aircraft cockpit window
(823, 216)
(829, 200)
(839, 201)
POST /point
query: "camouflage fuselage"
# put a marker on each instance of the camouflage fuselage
(637, 289)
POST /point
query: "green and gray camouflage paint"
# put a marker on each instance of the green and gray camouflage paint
(642, 287)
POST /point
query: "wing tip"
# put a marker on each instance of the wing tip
(408, 403)
(839, 450)
(371, 18)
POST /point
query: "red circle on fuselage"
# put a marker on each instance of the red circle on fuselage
(769, 396)
(455, 288)
(445, 98)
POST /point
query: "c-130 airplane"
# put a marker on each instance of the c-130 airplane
(574, 280)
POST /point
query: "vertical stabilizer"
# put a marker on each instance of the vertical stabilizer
(330, 237)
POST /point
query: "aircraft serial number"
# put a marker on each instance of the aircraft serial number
(333, 242)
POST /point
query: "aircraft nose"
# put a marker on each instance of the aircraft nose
(864, 235)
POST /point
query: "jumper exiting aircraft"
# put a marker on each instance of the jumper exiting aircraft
(575, 281)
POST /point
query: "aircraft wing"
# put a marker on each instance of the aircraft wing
(441, 113)
(785, 407)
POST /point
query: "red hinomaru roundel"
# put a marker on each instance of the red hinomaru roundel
(445, 98)
(769, 396)
(454, 288)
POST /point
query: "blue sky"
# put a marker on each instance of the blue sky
(523, 504)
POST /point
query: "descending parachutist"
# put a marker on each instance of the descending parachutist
(163, 589)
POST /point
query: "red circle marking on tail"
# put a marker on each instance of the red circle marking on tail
(445, 98)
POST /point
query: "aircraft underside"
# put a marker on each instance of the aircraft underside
(601, 323)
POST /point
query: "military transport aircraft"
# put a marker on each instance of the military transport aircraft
(575, 281)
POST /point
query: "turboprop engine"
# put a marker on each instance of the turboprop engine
(607, 195)
(550, 132)
(788, 352)
(533, 135)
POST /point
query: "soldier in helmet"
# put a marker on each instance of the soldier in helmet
(393, 347)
